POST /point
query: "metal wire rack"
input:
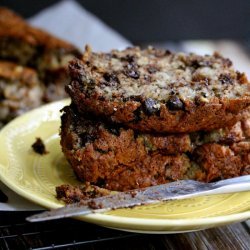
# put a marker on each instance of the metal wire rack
(16, 233)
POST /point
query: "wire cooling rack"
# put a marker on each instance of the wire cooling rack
(16, 233)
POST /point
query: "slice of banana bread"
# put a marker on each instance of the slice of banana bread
(155, 90)
(117, 158)
(20, 91)
(33, 47)
(36, 48)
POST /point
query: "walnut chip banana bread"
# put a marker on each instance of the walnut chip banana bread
(29, 46)
(33, 47)
(155, 90)
(118, 158)
(33, 70)
(20, 91)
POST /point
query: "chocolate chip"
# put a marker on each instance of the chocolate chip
(225, 79)
(130, 58)
(197, 63)
(2, 96)
(137, 114)
(39, 147)
(101, 151)
(174, 103)
(228, 140)
(110, 77)
(151, 106)
(135, 98)
(110, 80)
(168, 52)
(113, 130)
(100, 182)
(85, 138)
(172, 92)
(131, 71)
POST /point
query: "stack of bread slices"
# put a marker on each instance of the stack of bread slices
(143, 117)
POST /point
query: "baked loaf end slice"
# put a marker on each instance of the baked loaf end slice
(20, 91)
(155, 90)
(33, 47)
(119, 158)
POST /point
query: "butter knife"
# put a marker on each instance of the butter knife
(155, 194)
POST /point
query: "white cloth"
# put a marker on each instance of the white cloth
(69, 21)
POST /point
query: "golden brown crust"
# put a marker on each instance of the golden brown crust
(214, 115)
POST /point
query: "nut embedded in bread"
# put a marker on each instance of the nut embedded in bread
(155, 90)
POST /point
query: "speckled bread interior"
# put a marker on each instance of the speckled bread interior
(158, 91)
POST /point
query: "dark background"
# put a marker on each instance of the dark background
(143, 21)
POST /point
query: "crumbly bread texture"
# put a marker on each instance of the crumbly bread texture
(20, 91)
(47, 55)
(33, 47)
(225, 161)
(117, 158)
(155, 90)
(71, 194)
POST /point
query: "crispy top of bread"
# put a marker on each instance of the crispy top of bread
(154, 90)
(160, 75)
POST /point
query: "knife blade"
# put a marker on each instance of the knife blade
(155, 194)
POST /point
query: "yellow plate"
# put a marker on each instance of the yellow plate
(35, 178)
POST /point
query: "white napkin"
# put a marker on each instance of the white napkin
(69, 21)
(73, 23)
